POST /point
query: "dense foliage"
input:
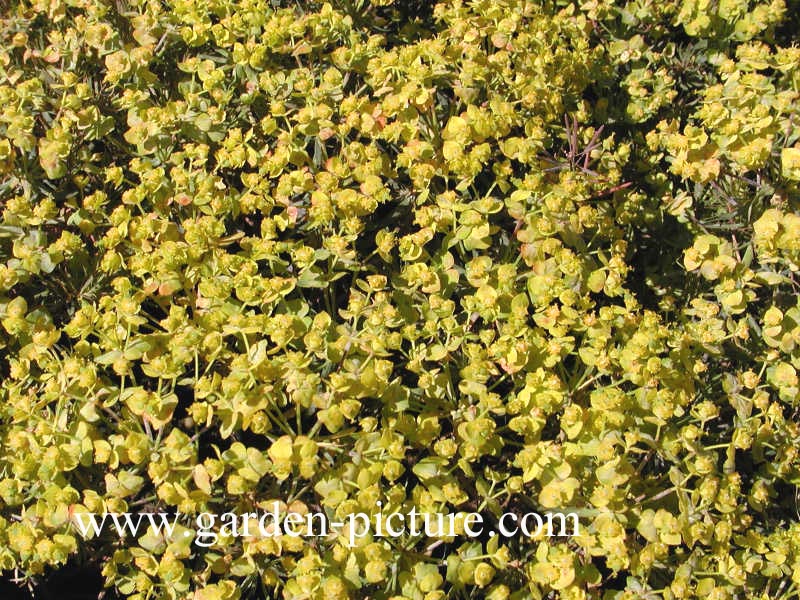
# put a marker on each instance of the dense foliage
(487, 255)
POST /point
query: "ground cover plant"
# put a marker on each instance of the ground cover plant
(474, 256)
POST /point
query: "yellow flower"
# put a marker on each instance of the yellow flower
(790, 163)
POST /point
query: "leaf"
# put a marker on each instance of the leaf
(429, 467)
(201, 478)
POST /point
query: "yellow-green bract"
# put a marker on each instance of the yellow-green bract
(491, 257)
